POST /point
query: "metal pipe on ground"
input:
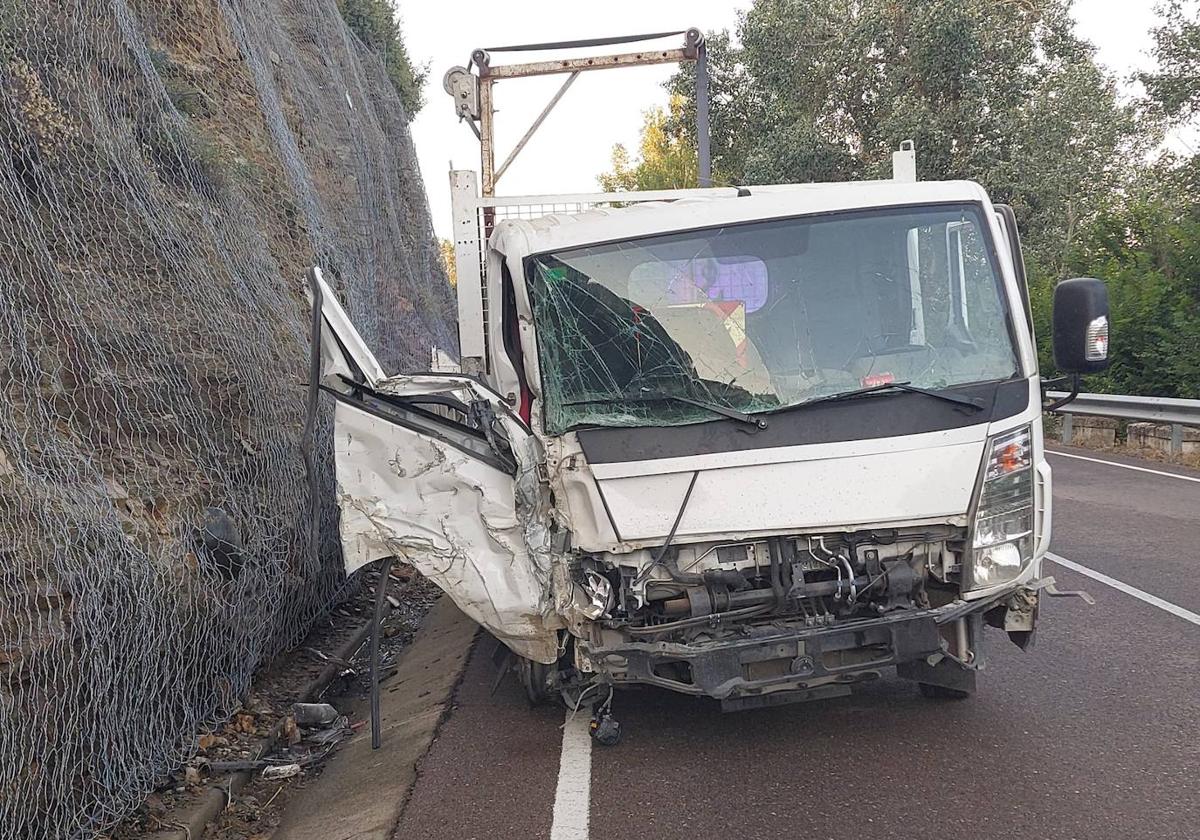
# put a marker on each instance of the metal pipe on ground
(376, 625)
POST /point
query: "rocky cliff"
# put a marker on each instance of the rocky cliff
(168, 169)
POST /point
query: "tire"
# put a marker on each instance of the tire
(535, 679)
(940, 692)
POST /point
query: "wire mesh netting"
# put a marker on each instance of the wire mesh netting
(168, 168)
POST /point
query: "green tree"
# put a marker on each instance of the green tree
(446, 249)
(1147, 249)
(375, 24)
(1174, 86)
(666, 160)
(1146, 243)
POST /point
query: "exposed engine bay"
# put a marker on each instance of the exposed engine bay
(788, 615)
(811, 579)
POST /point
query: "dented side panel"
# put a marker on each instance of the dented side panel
(466, 525)
(469, 525)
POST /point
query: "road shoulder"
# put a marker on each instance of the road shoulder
(361, 793)
(1128, 458)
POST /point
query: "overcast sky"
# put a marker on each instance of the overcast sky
(602, 108)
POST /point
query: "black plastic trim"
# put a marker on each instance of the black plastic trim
(716, 666)
(428, 424)
(885, 414)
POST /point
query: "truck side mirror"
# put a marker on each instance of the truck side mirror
(1081, 325)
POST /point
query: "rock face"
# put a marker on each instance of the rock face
(168, 169)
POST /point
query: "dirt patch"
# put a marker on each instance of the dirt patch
(1186, 460)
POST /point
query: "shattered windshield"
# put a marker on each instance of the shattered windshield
(686, 327)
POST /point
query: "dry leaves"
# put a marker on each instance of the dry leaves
(290, 731)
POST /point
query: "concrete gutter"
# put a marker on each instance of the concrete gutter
(216, 799)
(361, 792)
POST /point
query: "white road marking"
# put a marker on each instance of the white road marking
(573, 798)
(1153, 600)
(1124, 466)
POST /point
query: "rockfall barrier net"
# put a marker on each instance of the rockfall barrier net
(168, 168)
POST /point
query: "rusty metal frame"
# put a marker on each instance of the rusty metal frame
(475, 212)
(536, 125)
(569, 65)
(488, 75)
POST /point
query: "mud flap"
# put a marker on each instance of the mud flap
(947, 674)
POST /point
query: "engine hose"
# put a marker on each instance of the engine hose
(851, 578)
(744, 612)
(776, 571)
(818, 589)
(789, 561)
(671, 564)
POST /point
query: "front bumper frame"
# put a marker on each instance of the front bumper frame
(911, 640)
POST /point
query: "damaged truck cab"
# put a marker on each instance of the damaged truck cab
(756, 445)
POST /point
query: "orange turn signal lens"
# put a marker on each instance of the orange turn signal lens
(1010, 454)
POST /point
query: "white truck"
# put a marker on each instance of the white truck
(755, 444)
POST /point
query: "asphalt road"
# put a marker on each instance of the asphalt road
(1095, 733)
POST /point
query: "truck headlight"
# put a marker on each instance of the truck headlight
(1001, 540)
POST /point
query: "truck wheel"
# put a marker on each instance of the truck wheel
(535, 679)
(940, 692)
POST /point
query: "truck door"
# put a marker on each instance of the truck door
(435, 469)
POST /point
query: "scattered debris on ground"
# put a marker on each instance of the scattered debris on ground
(305, 733)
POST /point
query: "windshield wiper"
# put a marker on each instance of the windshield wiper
(966, 402)
(654, 396)
(731, 413)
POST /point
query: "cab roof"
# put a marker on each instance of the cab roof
(558, 231)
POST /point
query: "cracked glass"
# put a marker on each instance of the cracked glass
(688, 327)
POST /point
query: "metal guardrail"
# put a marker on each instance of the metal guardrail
(1167, 411)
